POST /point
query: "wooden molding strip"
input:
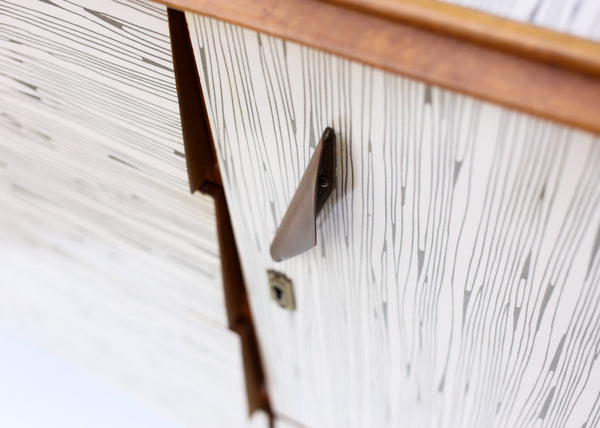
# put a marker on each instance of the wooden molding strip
(200, 154)
(560, 84)
(236, 302)
(203, 172)
(485, 29)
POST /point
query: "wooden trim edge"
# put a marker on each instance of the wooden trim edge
(506, 35)
(204, 176)
(530, 85)
(200, 155)
(236, 302)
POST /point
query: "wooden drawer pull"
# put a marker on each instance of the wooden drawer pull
(297, 232)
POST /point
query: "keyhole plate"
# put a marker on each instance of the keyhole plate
(282, 289)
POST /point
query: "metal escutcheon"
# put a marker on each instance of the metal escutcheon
(282, 289)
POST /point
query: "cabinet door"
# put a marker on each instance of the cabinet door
(105, 257)
(456, 278)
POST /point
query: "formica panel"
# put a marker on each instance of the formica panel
(456, 276)
(105, 258)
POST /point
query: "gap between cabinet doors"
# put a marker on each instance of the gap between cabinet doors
(204, 176)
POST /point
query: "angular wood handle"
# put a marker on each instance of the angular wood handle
(297, 232)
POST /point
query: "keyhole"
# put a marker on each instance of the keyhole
(282, 290)
(278, 294)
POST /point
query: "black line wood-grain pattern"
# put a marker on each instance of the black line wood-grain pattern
(95, 95)
(105, 258)
(456, 278)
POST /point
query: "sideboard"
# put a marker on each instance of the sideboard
(443, 270)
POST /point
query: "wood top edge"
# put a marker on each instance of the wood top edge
(559, 81)
(518, 38)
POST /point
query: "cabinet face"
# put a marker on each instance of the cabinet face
(456, 279)
(91, 151)
(105, 257)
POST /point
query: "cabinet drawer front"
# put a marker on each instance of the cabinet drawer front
(105, 257)
(456, 277)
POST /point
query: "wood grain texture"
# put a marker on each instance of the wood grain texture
(203, 173)
(520, 38)
(456, 279)
(105, 257)
(238, 308)
(493, 75)
(580, 18)
(199, 151)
